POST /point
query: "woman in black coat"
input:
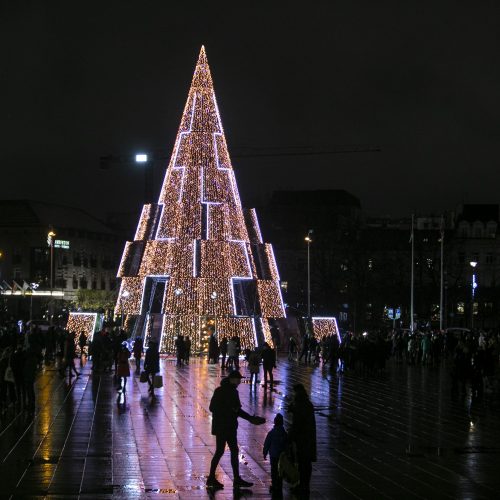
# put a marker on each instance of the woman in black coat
(152, 364)
(303, 434)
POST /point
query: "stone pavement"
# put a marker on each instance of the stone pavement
(397, 436)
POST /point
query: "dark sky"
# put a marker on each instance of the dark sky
(79, 80)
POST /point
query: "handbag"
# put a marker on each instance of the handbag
(287, 469)
(143, 377)
(158, 383)
(9, 375)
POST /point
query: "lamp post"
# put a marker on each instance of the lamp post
(33, 287)
(308, 240)
(144, 159)
(124, 295)
(50, 240)
(473, 264)
(213, 296)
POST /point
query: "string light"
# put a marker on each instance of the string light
(201, 244)
(325, 326)
(82, 322)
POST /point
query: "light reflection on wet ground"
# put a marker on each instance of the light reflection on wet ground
(400, 435)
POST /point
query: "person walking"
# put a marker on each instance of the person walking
(269, 363)
(305, 348)
(254, 366)
(17, 362)
(30, 369)
(82, 342)
(226, 408)
(68, 360)
(275, 443)
(303, 434)
(187, 349)
(138, 350)
(152, 365)
(179, 349)
(223, 351)
(232, 354)
(122, 367)
(213, 349)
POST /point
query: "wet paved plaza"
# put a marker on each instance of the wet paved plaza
(397, 436)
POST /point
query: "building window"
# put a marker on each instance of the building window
(75, 282)
(83, 282)
(490, 258)
(60, 283)
(460, 308)
(77, 261)
(478, 230)
(103, 284)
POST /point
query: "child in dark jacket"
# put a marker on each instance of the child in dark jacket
(274, 444)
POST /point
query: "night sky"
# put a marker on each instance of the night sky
(421, 80)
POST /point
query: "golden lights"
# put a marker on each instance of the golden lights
(325, 327)
(201, 242)
(82, 322)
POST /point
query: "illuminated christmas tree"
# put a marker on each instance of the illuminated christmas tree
(198, 261)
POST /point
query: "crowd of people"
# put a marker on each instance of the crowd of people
(471, 357)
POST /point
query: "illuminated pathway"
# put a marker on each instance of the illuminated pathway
(395, 437)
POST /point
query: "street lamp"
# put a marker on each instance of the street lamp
(308, 239)
(144, 158)
(473, 264)
(213, 296)
(50, 240)
(33, 287)
(124, 295)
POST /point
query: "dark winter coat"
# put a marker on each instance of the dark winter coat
(123, 369)
(152, 361)
(269, 357)
(275, 442)
(303, 430)
(226, 408)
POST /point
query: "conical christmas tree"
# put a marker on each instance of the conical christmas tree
(198, 262)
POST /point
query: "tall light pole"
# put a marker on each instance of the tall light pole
(146, 161)
(441, 292)
(33, 287)
(213, 296)
(124, 295)
(50, 240)
(308, 240)
(473, 264)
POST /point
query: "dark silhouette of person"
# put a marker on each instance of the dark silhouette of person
(303, 434)
(275, 443)
(268, 362)
(226, 408)
(138, 350)
(152, 365)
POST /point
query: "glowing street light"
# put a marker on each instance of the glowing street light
(125, 294)
(141, 158)
(472, 264)
(308, 240)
